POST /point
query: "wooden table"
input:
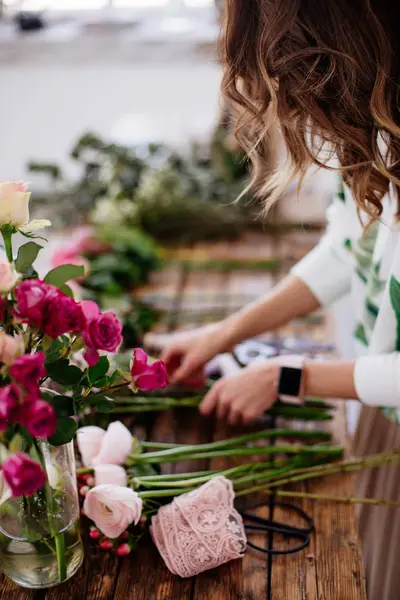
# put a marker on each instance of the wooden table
(329, 569)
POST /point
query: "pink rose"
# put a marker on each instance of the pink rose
(9, 405)
(47, 308)
(110, 474)
(147, 377)
(32, 296)
(28, 370)
(103, 331)
(112, 508)
(39, 418)
(99, 447)
(8, 275)
(63, 315)
(10, 348)
(23, 475)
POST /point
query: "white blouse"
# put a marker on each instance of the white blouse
(368, 266)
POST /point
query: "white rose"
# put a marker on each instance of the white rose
(14, 203)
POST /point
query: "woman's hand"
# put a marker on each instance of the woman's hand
(187, 353)
(242, 397)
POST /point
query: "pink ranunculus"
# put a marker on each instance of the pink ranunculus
(146, 376)
(9, 405)
(89, 440)
(115, 446)
(10, 347)
(8, 275)
(110, 474)
(40, 418)
(99, 447)
(23, 475)
(28, 370)
(112, 508)
(63, 315)
(103, 331)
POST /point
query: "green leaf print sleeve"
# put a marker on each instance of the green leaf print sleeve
(395, 300)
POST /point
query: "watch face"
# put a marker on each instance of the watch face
(290, 381)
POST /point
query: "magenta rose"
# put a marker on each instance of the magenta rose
(23, 475)
(28, 370)
(32, 296)
(63, 315)
(9, 405)
(39, 418)
(47, 308)
(146, 376)
(103, 331)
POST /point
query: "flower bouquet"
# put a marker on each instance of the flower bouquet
(53, 364)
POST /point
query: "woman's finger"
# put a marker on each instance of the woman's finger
(210, 400)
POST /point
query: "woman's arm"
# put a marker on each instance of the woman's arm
(289, 299)
(330, 379)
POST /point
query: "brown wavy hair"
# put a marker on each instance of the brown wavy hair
(327, 71)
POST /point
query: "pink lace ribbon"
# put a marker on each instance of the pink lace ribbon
(200, 530)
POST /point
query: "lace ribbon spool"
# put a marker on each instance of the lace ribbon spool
(200, 530)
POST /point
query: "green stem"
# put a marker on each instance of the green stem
(7, 237)
(231, 443)
(56, 535)
(325, 470)
(332, 451)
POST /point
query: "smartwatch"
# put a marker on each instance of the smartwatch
(291, 379)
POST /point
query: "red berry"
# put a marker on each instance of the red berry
(83, 478)
(106, 544)
(84, 490)
(123, 550)
(94, 533)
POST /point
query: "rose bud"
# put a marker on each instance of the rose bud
(146, 376)
(28, 370)
(40, 418)
(94, 533)
(10, 348)
(9, 405)
(123, 550)
(23, 475)
(106, 544)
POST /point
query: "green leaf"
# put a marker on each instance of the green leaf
(104, 404)
(395, 296)
(60, 275)
(65, 289)
(66, 430)
(27, 255)
(360, 334)
(54, 351)
(64, 373)
(99, 369)
(63, 405)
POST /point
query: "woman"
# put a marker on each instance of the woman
(329, 73)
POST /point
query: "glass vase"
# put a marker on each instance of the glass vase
(40, 542)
